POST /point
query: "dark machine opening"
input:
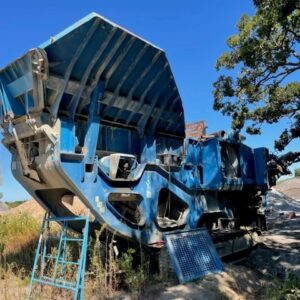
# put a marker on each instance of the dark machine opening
(127, 207)
(230, 160)
(171, 212)
(200, 172)
(126, 164)
(214, 220)
(119, 166)
(170, 160)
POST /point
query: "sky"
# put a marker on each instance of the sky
(192, 33)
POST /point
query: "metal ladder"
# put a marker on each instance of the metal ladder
(59, 262)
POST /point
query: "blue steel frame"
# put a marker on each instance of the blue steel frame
(76, 287)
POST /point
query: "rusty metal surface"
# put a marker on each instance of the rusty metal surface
(195, 130)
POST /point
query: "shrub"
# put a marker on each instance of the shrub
(297, 172)
(134, 278)
(286, 289)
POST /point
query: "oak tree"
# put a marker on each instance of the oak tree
(260, 72)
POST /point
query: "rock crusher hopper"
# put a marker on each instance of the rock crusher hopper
(93, 118)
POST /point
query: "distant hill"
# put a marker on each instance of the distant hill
(30, 207)
(290, 188)
(14, 203)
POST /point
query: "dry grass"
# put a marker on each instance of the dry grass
(105, 271)
(18, 235)
(112, 277)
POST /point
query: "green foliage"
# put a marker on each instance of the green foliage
(134, 278)
(297, 172)
(286, 289)
(264, 59)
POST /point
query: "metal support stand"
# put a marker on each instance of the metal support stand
(51, 269)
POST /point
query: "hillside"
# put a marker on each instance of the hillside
(30, 207)
(290, 188)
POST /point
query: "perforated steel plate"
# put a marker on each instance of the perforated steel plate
(192, 254)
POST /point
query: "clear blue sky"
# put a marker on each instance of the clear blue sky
(192, 33)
